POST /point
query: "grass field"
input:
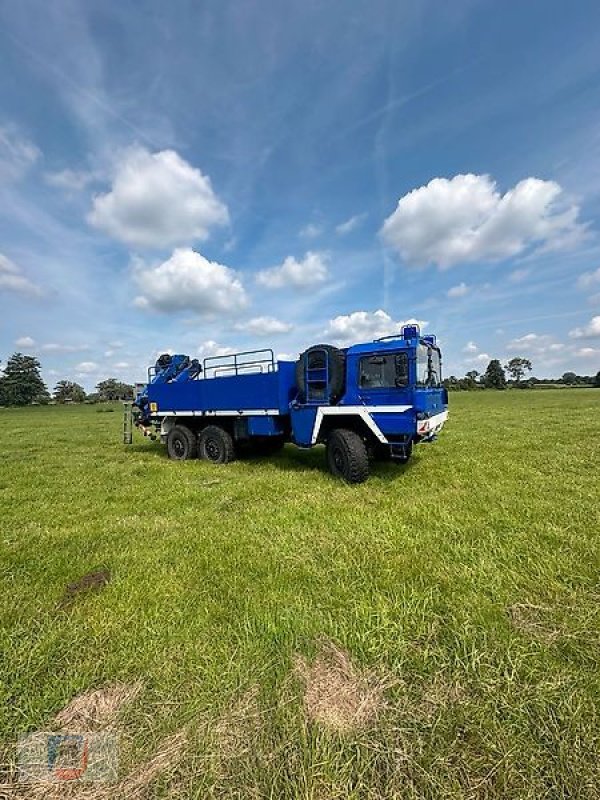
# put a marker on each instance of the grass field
(433, 633)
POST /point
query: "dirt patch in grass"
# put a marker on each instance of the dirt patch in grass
(97, 709)
(534, 621)
(337, 694)
(164, 760)
(93, 581)
(235, 728)
(91, 712)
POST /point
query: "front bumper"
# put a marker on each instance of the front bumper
(430, 427)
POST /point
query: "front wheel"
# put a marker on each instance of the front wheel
(215, 444)
(347, 456)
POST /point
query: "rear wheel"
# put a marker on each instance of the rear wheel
(347, 456)
(181, 443)
(215, 444)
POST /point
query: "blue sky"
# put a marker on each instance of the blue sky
(200, 176)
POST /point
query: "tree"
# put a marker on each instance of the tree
(67, 391)
(471, 378)
(21, 382)
(112, 389)
(569, 378)
(597, 380)
(517, 367)
(494, 377)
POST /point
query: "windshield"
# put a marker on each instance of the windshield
(388, 371)
(429, 367)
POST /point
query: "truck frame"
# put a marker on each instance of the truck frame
(371, 401)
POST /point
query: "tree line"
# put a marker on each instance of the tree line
(494, 377)
(21, 384)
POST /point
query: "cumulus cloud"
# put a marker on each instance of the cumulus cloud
(264, 326)
(589, 280)
(589, 331)
(188, 281)
(211, 348)
(364, 326)
(13, 280)
(17, 153)
(466, 219)
(304, 274)
(349, 225)
(87, 367)
(533, 343)
(470, 347)
(158, 200)
(458, 291)
(25, 341)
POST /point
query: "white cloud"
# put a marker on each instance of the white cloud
(589, 280)
(25, 341)
(71, 180)
(589, 331)
(211, 348)
(17, 153)
(158, 200)
(189, 281)
(86, 367)
(311, 231)
(470, 347)
(587, 352)
(349, 225)
(304, 274)
(482, 358)
(364, 326)
(458, 291)
(55, 347)
(122, 365)
(13, 280)
(264, 326)
(466, 219)
(533, 343)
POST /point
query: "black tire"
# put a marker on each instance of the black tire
(336, 365)
(215, 444)
(181, 443)
(347, 456)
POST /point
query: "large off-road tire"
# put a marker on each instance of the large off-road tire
(181, 443)
(318, 356)
(216, 444)
(347, 456)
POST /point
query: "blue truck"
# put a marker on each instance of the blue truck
(371, 401)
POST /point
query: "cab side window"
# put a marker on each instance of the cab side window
(388, 371)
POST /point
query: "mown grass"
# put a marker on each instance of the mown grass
(468, 578)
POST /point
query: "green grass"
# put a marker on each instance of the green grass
(469, 577)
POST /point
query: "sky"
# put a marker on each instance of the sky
(203, 177)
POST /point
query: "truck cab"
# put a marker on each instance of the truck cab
(392, 396)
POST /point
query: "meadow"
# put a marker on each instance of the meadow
(263, 630)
